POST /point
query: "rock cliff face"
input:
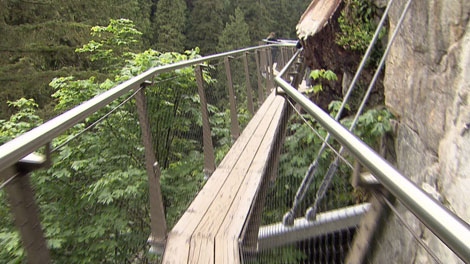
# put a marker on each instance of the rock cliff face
(427, 86)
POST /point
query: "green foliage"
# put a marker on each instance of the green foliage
(180, 184)
(23, 120)
(300, 149)
(206, 24)
(357, 23)
(112, 44)
(320, 76)
(372, 125)
(170, 22)
(94, 198)
(235, 34)
(39, 40)
(12, 250)
(285, 255)
(334, 107)
(71, 92)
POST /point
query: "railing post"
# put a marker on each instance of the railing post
(285, 58)
(209, 158)
(265, 69)
(157, 215)
(248, 85)
(258, 73)
(282, 60)
(235, 129)
(26, 213)
(270, 70)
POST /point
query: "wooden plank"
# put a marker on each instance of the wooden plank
(178, 241)
(232, 225)
(220, 206)
(202, 249)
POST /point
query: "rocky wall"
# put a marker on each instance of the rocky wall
(427, 86)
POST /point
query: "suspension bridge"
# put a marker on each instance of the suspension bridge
(230, 219)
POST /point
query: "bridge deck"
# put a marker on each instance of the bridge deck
(210, 229)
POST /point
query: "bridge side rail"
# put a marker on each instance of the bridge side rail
(448, 227)
(16, 161)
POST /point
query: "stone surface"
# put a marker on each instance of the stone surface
(427, 86)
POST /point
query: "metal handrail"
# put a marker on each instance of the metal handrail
(12, 151)
(447, 226)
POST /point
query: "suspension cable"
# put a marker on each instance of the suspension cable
(311, 212)
(97, 121)
(338, 154)
(289, 216)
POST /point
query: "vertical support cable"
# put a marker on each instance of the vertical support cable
(209, 160)
(258, 73)
(311, 212)
(157, 215)
(248, 85)
(235, 129)
(289, 216)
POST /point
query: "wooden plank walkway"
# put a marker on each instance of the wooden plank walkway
(209, 231)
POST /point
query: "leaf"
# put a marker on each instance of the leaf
(317, 88)
(316, 74)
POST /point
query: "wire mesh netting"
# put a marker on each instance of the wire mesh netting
(305, 241)
(97, 188)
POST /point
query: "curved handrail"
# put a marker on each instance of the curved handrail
(452, 230)
(12, 151)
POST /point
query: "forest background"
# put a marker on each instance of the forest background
(39, 37)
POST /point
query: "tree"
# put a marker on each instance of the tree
(235, 34)
(258, 19)
(39, 39)
(170, 22)
(112, 44)
(206, 24)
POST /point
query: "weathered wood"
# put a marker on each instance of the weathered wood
(232, 226)
(209, 158)
(248, 85)
(178, 241)
(234, 126)
(258, 73)
(157, 214)
(26, 214)
(216, 214)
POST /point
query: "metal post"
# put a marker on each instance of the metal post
(248, 85)
(285, 58)
(282, 61)
(264, 69)
(209, 160)
(235, 129)
(157, 215)
(26, 214)
(270, 71)
(260, 85)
